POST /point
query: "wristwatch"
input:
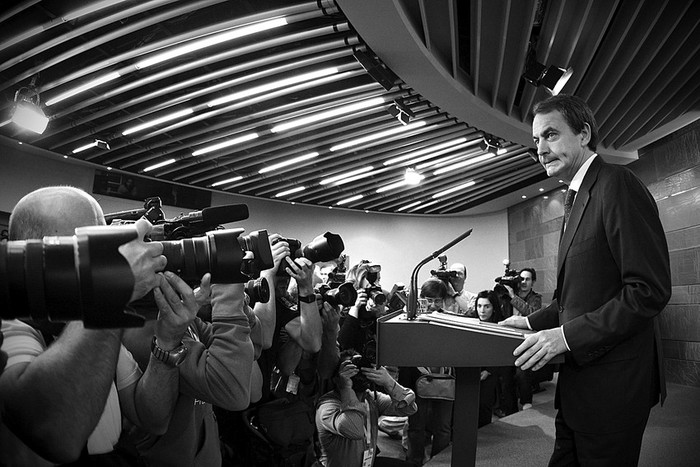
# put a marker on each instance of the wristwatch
(308, 298)
(173, 357)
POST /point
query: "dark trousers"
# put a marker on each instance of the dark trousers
(434, 415)
(524, 381)
(574, 448)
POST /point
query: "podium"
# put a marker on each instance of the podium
(441, 339)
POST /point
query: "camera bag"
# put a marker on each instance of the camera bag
(430, 385)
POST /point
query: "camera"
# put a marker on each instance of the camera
(79, 277)
(258, 291)
(338, 275)
(341, 295)
(442, 272)
(510, 278)
(192, 224)
(361, 362)
(397, 299)
(374, 291)
(326, 247)
(195, 243)
(229, 256)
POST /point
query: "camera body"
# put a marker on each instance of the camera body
(511, 278)
(343, 294)
(325, 247)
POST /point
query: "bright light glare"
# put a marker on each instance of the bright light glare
(209, 41)
(158, 121)
(228, 180)
(286, 163)
(454, 188)
(283, 83)
(337, 178)
(317, 117)
(225, 144)
(381, 134)
(159, 165)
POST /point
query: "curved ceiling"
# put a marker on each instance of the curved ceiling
(297, 102)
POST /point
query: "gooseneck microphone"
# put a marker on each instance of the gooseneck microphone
(413, 293)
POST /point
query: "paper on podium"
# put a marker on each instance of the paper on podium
(472, 324)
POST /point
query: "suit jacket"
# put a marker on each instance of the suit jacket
(613, 279)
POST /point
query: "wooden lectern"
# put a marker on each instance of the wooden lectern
(441, 339)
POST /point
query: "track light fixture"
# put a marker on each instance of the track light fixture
(553, 78)
(27, 111)
(399, 110)
(490, 143)
(376, 69)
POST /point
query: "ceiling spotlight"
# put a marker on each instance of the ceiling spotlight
(412, 177)
(98, 143)
(27, 111)
(553, 78)
(376, 69)
(490, 143)
(399, 110)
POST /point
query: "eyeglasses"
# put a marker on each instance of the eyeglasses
(434, 300)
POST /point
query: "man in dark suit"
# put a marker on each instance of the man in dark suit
(613, 279)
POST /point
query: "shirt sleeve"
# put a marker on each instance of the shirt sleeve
(22, 343)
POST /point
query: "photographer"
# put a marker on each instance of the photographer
(526, 300)
(63, 393)
(346, 418)
(294, 336)
(215, 371)
(433, 416)
(459, 300)
(358, 329)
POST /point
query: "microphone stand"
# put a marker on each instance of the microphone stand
(413, 292)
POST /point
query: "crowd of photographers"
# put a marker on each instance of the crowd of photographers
(175, 342)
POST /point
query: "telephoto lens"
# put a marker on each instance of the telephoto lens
(343, 295)
(81, 277)
(230, 257)
(257, 290)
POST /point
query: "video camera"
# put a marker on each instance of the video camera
(195, 243)
(79, 277)
(510, 278)
(442, 272)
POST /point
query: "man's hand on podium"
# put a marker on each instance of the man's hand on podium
(539, 348)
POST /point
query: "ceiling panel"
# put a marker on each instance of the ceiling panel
(204, 89)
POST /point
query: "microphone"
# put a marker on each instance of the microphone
(215, 215)
(413, 293)
(131, 215)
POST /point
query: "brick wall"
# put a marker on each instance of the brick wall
(671, 170)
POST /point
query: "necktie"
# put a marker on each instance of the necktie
(568, 203)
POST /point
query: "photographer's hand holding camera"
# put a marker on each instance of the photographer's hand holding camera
(306, 330)
(65, 399)
(267, 312)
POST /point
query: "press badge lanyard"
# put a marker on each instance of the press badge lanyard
(368, 454)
